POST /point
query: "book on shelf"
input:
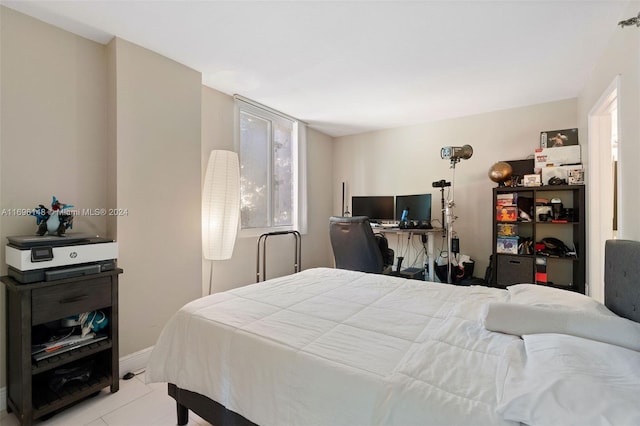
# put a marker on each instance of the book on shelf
(68, 343)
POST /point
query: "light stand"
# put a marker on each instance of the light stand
(441, 184)
(449, 219)
(345, 211)
(454, 154)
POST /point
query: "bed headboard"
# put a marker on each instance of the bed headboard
(622, 278)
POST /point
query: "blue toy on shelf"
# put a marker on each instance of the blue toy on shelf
(53, 221)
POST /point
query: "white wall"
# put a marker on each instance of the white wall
(53, 128)
(158, 136)
(217, 133)
(406, 160)
(621, 57)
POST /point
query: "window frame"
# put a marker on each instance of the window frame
(299, 169)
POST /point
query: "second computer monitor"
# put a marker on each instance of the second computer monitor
(418, 206)
(376, 208)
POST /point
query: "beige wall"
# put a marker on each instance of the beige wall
(157, 105)
(217, 133)
(53, 128)
(621, 57)
(80, 121)
(407, 160)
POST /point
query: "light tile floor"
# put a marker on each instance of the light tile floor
(135, 404)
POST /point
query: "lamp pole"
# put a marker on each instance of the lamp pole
(450, 217)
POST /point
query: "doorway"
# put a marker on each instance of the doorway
(603, 185)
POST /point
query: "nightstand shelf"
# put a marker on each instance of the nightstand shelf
(67, 357)
(31, 390)
(47, 401)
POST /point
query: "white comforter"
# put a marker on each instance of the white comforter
(335, 347)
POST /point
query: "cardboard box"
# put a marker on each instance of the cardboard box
(548, 157)
(561, 172)
(507, 245)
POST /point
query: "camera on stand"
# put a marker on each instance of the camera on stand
(441, 183)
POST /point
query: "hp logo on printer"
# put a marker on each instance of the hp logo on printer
(73, 254)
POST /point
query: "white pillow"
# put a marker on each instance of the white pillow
(517, 319)
(539, 295)
(566, 380)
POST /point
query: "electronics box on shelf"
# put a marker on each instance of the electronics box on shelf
(507, 199)
(561, 172)
(507, 229)
(553, 157)
(506, 213)
(46, 258)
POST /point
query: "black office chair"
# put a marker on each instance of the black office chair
(357, 248)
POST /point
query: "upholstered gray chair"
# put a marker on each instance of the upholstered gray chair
(356, 247)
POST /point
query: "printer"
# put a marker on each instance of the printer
(32, 258)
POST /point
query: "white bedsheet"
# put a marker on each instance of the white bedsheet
(335, 347)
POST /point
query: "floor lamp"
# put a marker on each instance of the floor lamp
(220, 207)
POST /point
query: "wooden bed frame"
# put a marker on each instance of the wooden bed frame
(622, 296)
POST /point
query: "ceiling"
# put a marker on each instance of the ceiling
(354, 66)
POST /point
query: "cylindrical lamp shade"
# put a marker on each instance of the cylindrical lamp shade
(220, 205)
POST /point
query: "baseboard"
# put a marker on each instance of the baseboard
(3, 398)
(135, 362)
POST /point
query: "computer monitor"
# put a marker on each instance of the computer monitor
(376, 208)
(419, 207)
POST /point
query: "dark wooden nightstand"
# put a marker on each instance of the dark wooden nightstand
(29, 394)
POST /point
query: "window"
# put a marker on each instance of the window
(272, 168)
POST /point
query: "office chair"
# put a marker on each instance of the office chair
(357, 248)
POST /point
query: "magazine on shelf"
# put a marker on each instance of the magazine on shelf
(49, 349)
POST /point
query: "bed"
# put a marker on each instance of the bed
(336, 347)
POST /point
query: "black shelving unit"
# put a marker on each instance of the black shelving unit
(566, 272)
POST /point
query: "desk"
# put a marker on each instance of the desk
(430, 233)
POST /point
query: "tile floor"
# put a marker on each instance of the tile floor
(135, 404)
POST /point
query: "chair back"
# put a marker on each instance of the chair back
(354, 244)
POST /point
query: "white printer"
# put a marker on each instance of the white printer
(32, 258)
